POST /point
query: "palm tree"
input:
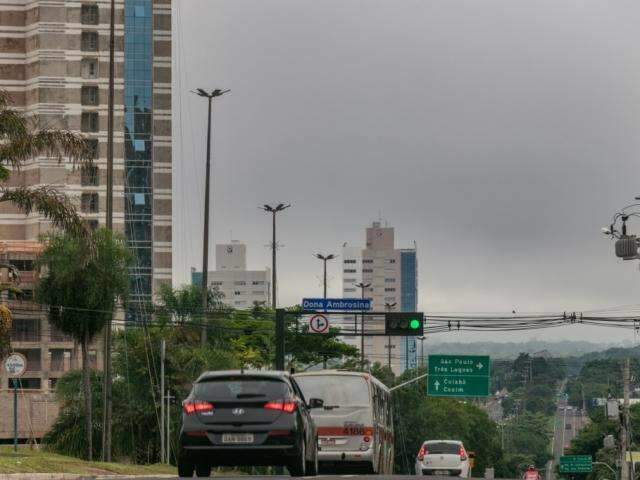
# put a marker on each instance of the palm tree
(81, 291)
(21, 140)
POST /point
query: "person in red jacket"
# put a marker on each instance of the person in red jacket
(532, 474)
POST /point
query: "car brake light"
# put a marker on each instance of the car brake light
(197, 407)
(463, 454)
(286, 406)
(423, 451)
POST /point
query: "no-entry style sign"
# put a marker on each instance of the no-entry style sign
(319, 324)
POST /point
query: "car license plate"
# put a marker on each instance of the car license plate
(327, 441)
(237, 438)
(441, 472)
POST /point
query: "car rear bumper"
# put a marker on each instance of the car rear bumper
(348, 456)
(240, 455)
(453, 472)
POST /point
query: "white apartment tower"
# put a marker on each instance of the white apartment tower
(392, 273)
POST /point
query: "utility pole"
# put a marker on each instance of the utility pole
(106, 378)
(362, 286)
(205, 241)
(625, 472)
(422, 339)
(324, 259)
(169, 397)
(280, 329)
(388, 307)
(274, 247)
(162, 355)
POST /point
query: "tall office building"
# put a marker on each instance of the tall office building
(393, 278)
(241, 288)
(54, 63)
(54, 58)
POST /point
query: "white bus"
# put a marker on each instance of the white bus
(355, 426)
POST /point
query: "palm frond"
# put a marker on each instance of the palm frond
(12, 123)
(50, 143)
(50, 203)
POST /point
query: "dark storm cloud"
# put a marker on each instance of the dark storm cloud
(498, 135)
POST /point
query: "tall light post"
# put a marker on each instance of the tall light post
(362, 286)
(388, 307)
(205, 241)
(324, 259)
(274, 247)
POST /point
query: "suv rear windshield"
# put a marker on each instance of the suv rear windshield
(443, 448)
(241, 388)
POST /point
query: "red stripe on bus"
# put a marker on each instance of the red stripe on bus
(341, 432)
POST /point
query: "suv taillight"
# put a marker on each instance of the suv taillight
(463, 454)
(286, 406)
(197, 407)
(423, 451)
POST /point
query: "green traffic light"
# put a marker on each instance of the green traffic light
(414, 324)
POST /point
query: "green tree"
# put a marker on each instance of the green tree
(81, 291)
(20, 141)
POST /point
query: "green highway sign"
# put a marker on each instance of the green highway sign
(467, 365)
(576, 464)
(451, 386)
(459, 376)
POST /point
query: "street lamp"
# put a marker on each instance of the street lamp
(362, 286)
(205, 242)
(274, 210)
(324, 259)
(388, 307)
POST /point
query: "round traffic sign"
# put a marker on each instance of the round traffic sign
(319, 324)
(15, 364)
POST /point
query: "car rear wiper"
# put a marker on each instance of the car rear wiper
(330, 407)
(250, 395)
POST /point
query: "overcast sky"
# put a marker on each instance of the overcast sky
(500, 136)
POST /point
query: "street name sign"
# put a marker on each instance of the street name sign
(318, 324)
(15, 365)
(576, 464)
(336, 304)
(459, 376)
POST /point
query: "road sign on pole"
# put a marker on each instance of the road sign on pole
(319, 324)
(459, 376)
(576, 464)
(15, 365)
(336, 304)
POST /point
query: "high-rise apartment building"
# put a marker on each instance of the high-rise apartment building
(392, 275)
(54, 63)
(54, 58)
(241, 288)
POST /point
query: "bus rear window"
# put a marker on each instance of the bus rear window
(336, 390)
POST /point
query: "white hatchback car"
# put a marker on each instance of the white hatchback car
(443, 457)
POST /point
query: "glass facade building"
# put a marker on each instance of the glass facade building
(138, 148)
(409, 303)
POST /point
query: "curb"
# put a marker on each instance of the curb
(75, 476)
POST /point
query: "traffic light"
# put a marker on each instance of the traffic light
(405, 324)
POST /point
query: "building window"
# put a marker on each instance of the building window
(240, 302)
(349, 270)
(22, 265)
(258, 292)
(89, 68)
(25, 330)
(216, 284)
(367, 270)
(389, 280)
(89, 202)
(392, 260)
(389, 289)
(33, 359)
(89, 175)
(367, 260)
(89, 41)
(349, 261)
(89, 95)
(89, 14)
(389, 299)
(93, 359)
(240, 283)
(93, 224)
(349, 280)
(349, 290)
(89, 121)
(257, 282)
(92, 145)
(237, 292)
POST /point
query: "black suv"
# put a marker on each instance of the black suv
(236, 418)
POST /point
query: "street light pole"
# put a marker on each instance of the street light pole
(421, 350)
(205, 241)
(362, 287)
(388, 307)
(274, 247)
(324, 259)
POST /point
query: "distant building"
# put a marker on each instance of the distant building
(241, 288)
(393, 275)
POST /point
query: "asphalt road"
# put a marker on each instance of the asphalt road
(567, 424)
(286, 477)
